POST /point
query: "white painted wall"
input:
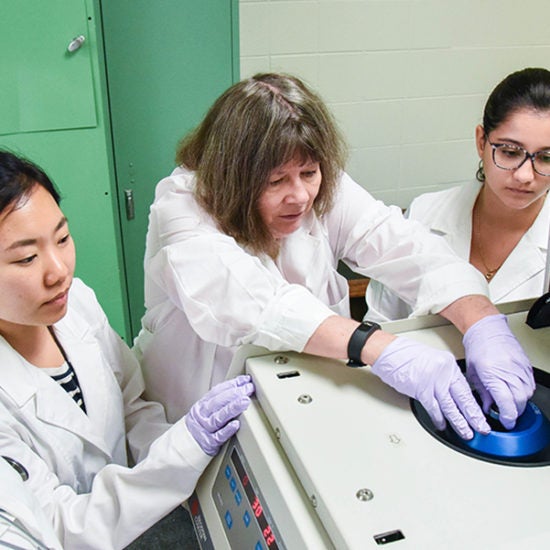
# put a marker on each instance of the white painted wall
(406, 79)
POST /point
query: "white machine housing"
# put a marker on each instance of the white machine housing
(336, 459)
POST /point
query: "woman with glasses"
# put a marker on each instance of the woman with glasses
(500, 222)
(243, 246)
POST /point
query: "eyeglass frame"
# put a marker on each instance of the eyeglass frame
(528, 155)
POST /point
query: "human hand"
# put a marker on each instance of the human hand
(432, 377)
(498, 368)
(212, 419)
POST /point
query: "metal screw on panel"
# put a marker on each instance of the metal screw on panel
(277, 433)
(395, 439)
(305, 399)
(281, 360)
(313, 501)
(364, 494)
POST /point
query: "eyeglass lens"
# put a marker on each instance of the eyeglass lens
(510, 157)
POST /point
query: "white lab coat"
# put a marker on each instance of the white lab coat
(77, 462)
(20, 506)
(448, 213)
(205, 294)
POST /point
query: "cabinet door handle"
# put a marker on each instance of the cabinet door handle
(76, 43)
(129, 200)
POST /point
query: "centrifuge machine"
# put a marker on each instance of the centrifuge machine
(329, 457)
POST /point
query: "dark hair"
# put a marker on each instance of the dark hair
(525, 89)
(18, 176)
(254, 127)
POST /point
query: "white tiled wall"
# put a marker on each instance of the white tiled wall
(406, 79)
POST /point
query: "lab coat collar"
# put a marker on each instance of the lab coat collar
(527, 260)
(447, 220)
(53, 405)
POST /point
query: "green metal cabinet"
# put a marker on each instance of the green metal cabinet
(104, 120)
(53, 111)
(166, 63)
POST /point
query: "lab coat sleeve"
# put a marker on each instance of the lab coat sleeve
(378, 242)
(229, 297)
(20, 505)
(123, 501)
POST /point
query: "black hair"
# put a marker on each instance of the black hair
(525, 89)
(18, 176)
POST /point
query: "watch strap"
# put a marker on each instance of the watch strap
(357, 341)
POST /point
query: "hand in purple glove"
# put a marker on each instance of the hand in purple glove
(432, 377)
(211, 420)
(498, 368)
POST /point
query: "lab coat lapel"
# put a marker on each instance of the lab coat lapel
(526, 261)
(454, 220)
(53, 405)
(85, 357)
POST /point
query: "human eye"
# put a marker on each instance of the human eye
(544, 157)
(511, 151)
(309, 173)
(65, 239)
(25, 261)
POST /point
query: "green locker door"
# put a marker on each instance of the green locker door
(52, 110)
(44, 85)
(166, 63)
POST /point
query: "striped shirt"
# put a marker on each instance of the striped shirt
(66, 377)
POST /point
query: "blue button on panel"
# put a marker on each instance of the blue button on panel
(238, 497)
(232, 483)
(227, 472)
(258, 546)
(246, 518)
(228, 519)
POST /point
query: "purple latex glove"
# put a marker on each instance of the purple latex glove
(432, 377)
(211, 420)
(498, 368)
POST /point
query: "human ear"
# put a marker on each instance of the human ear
(480, 140)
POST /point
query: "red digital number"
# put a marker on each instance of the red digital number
(257, 507)
(268, 536)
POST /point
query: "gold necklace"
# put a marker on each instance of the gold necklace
(489, 273)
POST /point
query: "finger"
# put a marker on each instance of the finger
(468, 406)
(486, 399)
(210, 404)
(243, 379)
(227, 385)
(229, 411)
(434, 411)
(522, 391)
(507, 410)
(224, 433)
(454, 417)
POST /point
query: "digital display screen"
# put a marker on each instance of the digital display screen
(255, 503)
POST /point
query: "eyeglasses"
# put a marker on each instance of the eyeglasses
(511, 157)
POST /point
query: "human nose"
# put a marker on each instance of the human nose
(525, 172)
(298, 191)
(56, 269)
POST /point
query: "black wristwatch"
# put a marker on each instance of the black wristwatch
(358, 338)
